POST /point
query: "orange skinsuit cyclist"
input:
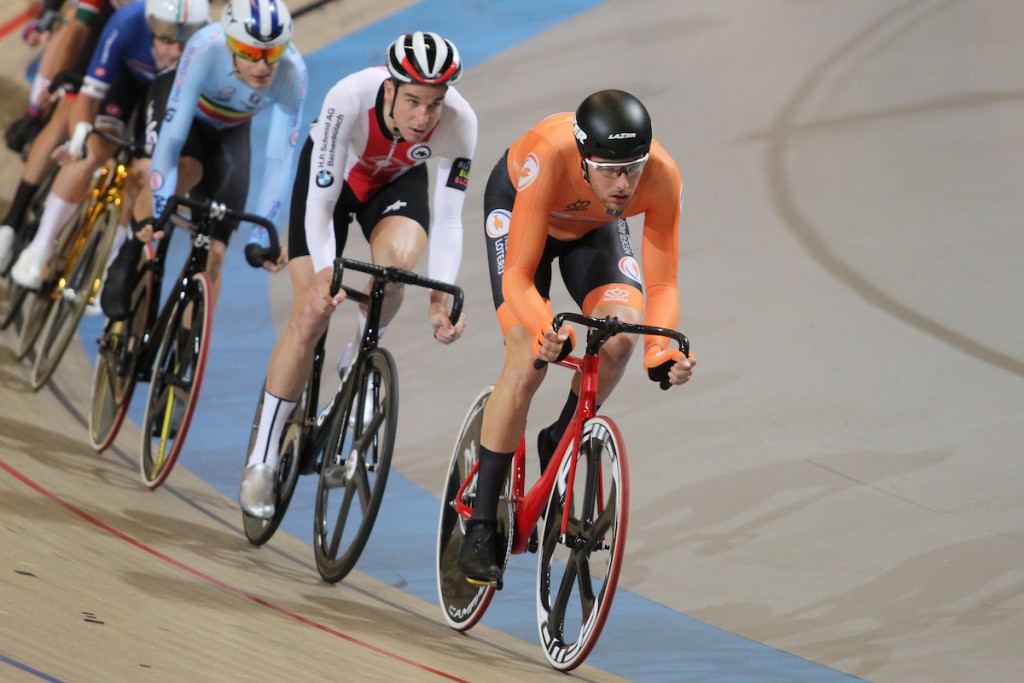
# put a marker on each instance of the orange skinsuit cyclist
(563, 191)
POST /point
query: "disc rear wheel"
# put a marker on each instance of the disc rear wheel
(464, 603)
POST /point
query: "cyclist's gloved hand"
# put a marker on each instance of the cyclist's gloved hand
(659, 363)
(144, 231)
(549, 339)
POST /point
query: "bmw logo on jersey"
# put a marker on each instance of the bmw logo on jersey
(324, 179)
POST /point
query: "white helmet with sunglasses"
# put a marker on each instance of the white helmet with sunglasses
(257, 29)
(176, 20)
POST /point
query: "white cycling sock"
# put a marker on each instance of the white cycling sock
(272, 421)
(56, 213)
(39, 84)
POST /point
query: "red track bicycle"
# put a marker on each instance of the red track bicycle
(581, 500)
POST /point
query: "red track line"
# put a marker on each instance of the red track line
(16, 22)
(217, 582)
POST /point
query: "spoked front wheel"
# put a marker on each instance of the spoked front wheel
(177, 378)
(35, 307)
(114, 377)
(355, 466)
(257, 530)
(578, 571)
(72, 294)
(464, 603)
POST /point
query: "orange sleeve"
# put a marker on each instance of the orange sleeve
(661, 250)
(536, 177)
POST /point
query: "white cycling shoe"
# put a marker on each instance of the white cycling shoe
(28, 269)
(6, 245)
(256, 494)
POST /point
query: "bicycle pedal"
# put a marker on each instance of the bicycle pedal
(335, 476)
(477, 582)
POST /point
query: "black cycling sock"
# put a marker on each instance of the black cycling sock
(22, 196)
(490, 479)
(548, 438)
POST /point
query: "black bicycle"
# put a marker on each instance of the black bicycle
(350, 441)
(165, 345)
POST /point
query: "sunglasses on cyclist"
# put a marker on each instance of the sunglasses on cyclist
(613, 169)
(254, 54)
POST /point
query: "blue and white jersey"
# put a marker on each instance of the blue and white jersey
(125, 46)
(206, 88)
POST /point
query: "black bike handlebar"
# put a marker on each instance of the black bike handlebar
(394, 274)
(68, 81)
(611, 326)
(217, 211)
(131, 147)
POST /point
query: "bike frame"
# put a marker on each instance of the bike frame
(529, 506)
(317, 425)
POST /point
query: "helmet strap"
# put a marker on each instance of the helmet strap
(586, 171)
(391, 114)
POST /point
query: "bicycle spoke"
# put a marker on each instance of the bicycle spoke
(176, 380)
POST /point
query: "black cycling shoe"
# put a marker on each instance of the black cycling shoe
(478, 556)
(22, 132)
(116, 297)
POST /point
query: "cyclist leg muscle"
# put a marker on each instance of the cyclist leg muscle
(396, 241)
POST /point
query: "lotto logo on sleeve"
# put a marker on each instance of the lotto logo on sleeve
(497, 223)
(529, 171)
(630, 268)
(156, 180)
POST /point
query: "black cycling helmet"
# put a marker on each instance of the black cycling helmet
(612, 124)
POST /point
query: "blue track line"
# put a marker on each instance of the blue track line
(28, 669)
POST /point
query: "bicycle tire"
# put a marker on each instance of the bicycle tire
(577, 575)
(462, 603)
(174, 385)
(114, 376)
(345, 479)
(13, 300)
(73, 295)
(257, 530)
(35, 307)
(69, 244)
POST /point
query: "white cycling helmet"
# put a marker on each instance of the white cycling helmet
(257, 23)
(177, 19)
(424, 57)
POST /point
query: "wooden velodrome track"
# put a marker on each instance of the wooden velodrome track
(840, 481)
